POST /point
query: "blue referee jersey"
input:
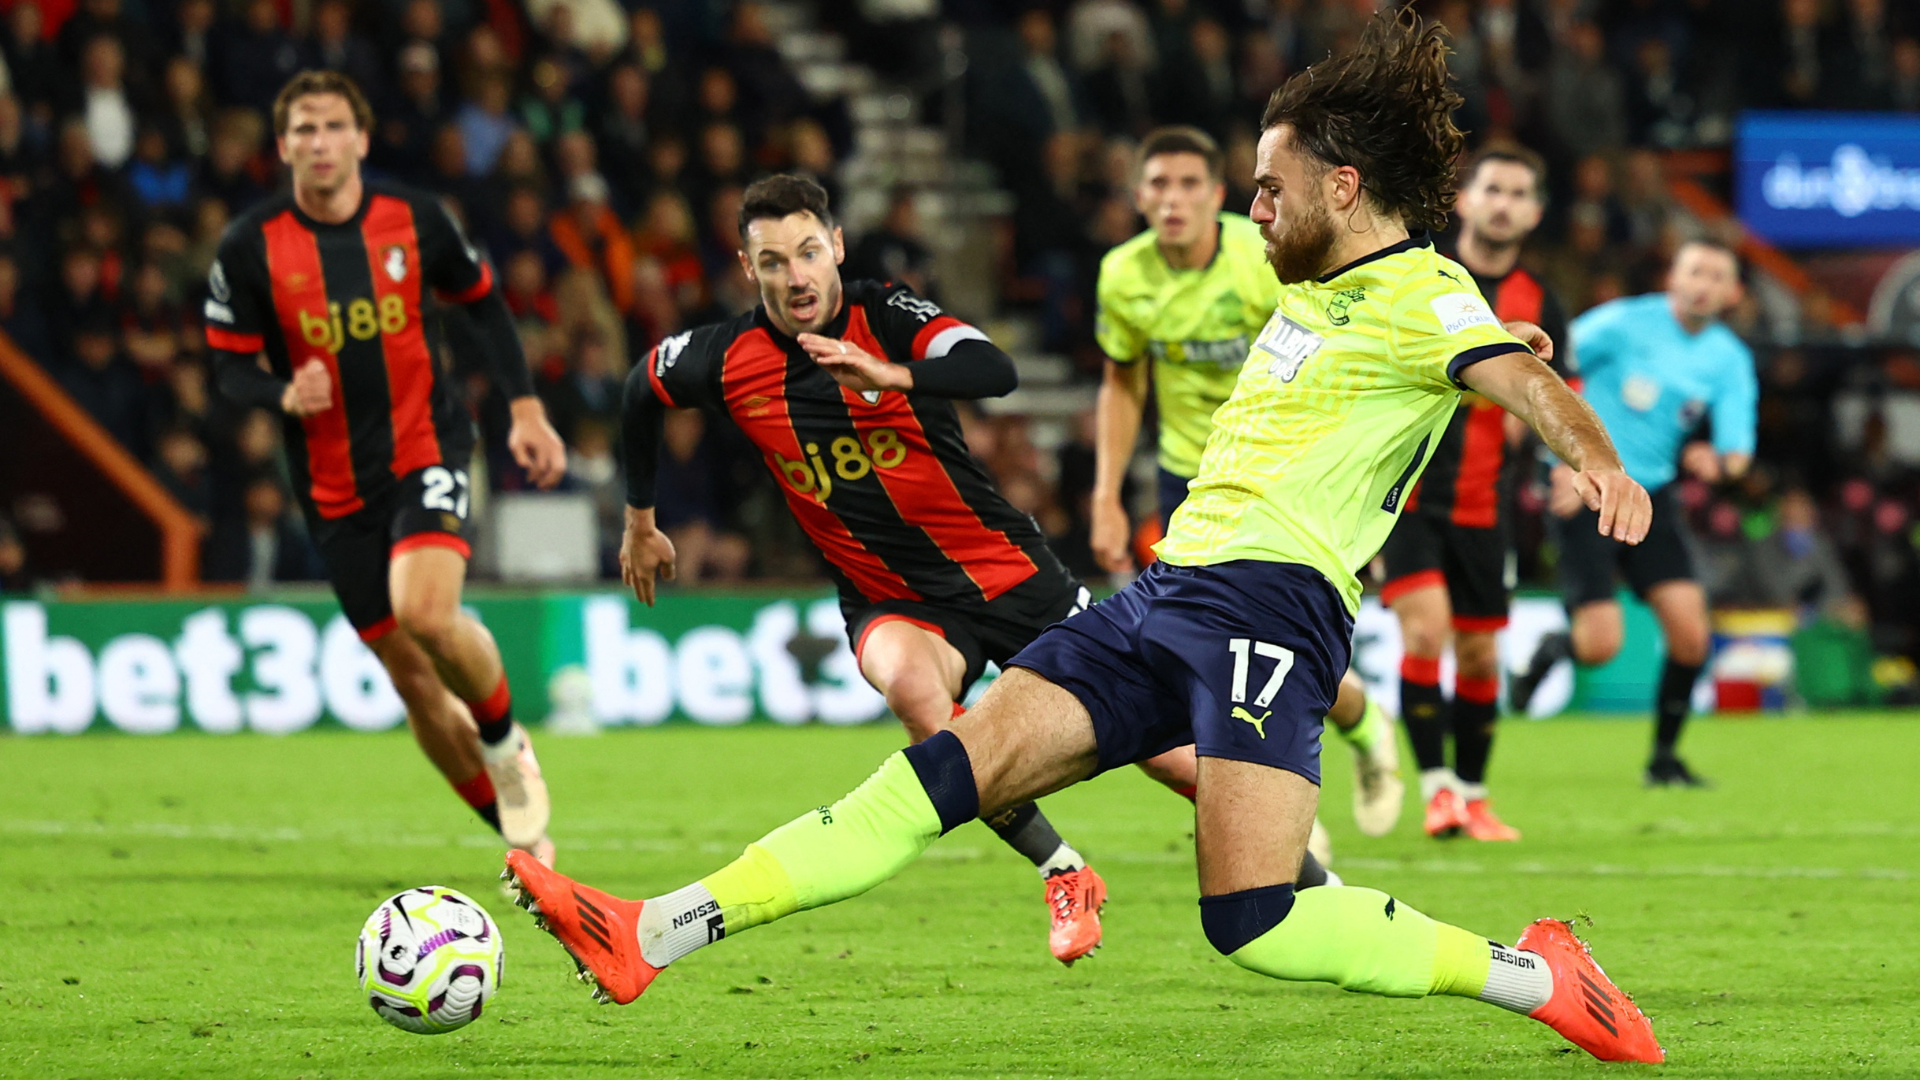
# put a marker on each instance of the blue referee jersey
(1652, 382)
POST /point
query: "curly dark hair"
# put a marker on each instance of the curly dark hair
(1386, 109)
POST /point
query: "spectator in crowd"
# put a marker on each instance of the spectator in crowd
(256, 57)
(21, 315)
(893, 251)
(592, 238)
(1585, 104)
(1797, 567)
(688, 503)
(264, 546)
(103, 381)
(331, 43)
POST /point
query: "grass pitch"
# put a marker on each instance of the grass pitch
(186, 906)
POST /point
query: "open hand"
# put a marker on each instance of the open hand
(1625, 509)
(854, 367)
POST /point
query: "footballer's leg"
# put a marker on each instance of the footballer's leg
(1364, 726)
(1421, 603)
(444, 728)
(1176, 769)
(1026, 738)
(1476, 712)
(1367, 941)
(1681, 608)
(1256, 728)
(1477, 574)
(921, 674)
(426, 577)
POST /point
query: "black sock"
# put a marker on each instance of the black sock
(1312, 874)
(494, 715)
(1671, 707)
(1424, 711)
(1552, 649)
(1473, 723)
(490, 813)
(1027, 831)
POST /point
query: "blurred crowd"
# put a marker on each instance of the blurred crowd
(596, 149)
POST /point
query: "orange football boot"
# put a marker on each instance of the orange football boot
(600, 931)
(1484, 824)
(1075, 899)
(1446, 814)
(1586, 1008)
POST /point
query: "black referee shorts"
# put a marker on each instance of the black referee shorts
(1589, 562)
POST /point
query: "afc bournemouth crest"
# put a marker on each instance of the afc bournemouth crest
(396, 263)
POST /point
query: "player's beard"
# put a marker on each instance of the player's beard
(1301, 252)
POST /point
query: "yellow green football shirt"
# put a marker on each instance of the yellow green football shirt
(1344, 395)
(1195, 325)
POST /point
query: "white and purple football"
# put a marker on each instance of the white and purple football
(429, 959)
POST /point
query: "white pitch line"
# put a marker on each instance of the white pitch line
(287, 834)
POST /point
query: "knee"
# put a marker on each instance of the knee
(1595, 644)
(921, 703)
(1688, 644)
(1424, 637)
(429, 624)
(1478, 656)
(1231, 920)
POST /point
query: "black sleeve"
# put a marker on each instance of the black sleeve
(238, 312)
(951, 358)
(975, 368)
(241, 379)
(641, 416)
(459, 276)
(685, 368)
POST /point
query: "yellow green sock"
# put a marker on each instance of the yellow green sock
(821, 857)
(1373, 724)
(1366, 941)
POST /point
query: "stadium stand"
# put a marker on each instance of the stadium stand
(597, 149)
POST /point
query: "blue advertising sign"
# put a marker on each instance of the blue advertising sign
(1808, 179)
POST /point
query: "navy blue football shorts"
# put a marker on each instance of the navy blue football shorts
(1242, 660)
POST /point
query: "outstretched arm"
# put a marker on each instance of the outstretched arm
(1522, 384)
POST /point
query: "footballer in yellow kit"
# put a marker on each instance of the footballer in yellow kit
(1182, 303)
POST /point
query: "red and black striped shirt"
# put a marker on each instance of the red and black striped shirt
(1470, 478)
(882, 482)
(352, 296)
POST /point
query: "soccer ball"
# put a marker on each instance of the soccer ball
(428, 959)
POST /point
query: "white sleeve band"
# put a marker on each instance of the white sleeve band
(944, 341)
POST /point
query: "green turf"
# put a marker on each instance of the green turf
(186, 906)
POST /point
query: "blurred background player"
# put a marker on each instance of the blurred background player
(329, 281)
(1654, 367)
(1448, 562)
(1189, 294)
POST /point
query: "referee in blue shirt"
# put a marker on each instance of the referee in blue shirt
(1654, 367)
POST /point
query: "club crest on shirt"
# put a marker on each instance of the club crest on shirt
(1288, 344)
(396, 264)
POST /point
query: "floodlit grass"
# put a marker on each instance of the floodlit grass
(187, 906)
